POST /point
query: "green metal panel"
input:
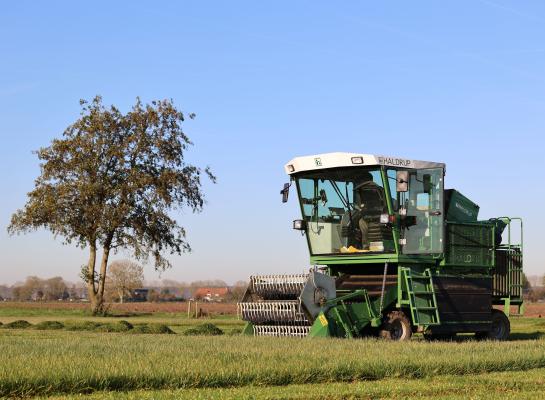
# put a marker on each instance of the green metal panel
(470, 245)
(347, 316)
(469, 257)
(320, 327)
(345, 319)
(459, 207)
(373, 259)
(248, 329)
(466, 234)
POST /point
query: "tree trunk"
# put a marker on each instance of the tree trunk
(99, 304)
(91, 288)
(120, 295)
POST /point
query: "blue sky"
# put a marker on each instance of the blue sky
(460, 82)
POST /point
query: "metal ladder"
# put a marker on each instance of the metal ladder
(514, 272)
(514, 268)
(514, 279)
(421, 297)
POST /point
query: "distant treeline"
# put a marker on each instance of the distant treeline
(34, 288)
(38, 289)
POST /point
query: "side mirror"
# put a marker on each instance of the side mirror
(426, 181)
(285, 192)
(402, 181)
(299, 225)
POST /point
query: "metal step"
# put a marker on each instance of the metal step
(426, 314)
(423, 277)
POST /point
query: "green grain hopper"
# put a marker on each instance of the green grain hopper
(393, 253)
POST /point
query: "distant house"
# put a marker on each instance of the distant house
(140, 295)
(212, 293)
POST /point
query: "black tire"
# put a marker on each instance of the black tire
(501, 327)
(395, 326)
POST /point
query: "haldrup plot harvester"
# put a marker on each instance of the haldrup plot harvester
(393, 252)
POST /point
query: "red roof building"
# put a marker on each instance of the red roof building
(211, 293)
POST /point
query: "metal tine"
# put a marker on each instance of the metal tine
(281, 330)
(281, 311)
(278, 284)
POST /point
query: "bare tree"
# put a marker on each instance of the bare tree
(237, 290)
(209, 283)
(124, 276)
(35, 288)
(32, 288)
(54, 288)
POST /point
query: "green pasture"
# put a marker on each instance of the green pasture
(104, 365)
(519, 385)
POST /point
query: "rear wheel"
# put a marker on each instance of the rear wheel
(396, 326)
(501, 327)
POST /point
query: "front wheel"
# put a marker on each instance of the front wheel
(396, 326)
(501, 327)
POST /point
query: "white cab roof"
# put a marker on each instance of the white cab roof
(335, 160)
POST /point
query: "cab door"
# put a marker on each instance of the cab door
(421, 207)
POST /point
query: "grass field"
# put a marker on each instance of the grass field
(495, 385)
(117, 365)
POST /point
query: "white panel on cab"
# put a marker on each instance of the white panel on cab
(325, 237)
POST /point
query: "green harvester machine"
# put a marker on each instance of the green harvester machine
(393, 253)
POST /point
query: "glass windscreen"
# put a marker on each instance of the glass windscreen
(421, 211)
(342, 208)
